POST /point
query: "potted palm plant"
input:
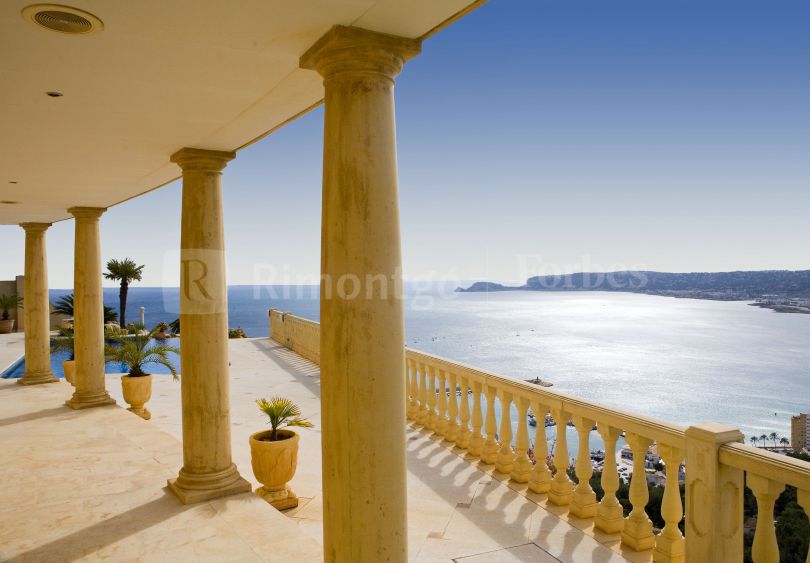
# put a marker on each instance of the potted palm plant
(161, 331)
(8, 302)
(136, 352)
(64, 342)
(274, 452)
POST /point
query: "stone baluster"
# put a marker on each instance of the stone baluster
(464, 434)
(476, 438)
(766, 491)
(584, 503)
(451, 432)
(441, 417)
(638, 533)
(432, 417)
(491, 447)
(422, 415)
(562, 489)
(409, 395)
(506, 457)
(670, 546)
(804, 502)
(410, 382)
(540, 480)
(609, 514)
(522, 468)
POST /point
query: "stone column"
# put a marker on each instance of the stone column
(714, 496)
(88, 312)
(36, 308)
(362, 335)
(208, 470)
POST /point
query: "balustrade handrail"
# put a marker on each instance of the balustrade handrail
(758, 461)
(648, 427)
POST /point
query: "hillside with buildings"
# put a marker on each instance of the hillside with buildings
(770, 287)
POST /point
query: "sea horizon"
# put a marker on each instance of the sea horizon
(678, 359)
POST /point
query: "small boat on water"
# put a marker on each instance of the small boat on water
(539, 382)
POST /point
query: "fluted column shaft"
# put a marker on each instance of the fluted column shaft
(88, 312)
(36, 307)
(362, 331)
(208, 470)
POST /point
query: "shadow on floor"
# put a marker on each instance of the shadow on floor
(93, 538)
(27, 417)
(303, 371)
(433, 455)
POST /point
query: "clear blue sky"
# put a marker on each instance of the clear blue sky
(662, 134)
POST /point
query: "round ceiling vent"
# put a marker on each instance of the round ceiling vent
(63, 19)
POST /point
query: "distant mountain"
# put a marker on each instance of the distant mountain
(702, 285)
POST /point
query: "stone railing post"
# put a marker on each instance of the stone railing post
(714, 495)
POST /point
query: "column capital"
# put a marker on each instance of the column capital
(202, 159)
(35, 227)
(354, 50)
(92, 213)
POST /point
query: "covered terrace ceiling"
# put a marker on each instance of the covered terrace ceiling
(159, 76)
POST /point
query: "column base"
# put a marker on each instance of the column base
(561, 493)
(669, 550)
(192, 488)
(609, 520)
(35, 378)
(540, 482)
(88, 401)
(583, 504)
(638, 534)
(521, 470)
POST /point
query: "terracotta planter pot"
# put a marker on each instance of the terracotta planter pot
(6, 326)
(69, 367)
(274, 465)
(137, 392)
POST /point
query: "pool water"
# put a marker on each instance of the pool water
(18, 368)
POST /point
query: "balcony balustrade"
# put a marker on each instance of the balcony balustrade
(458, 402)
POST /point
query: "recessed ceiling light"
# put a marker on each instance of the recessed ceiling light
(63, 19)
(54, 94)
(9, 202)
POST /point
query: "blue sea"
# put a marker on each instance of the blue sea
(680, 360)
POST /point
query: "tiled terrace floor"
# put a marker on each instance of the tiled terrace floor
(91, 484)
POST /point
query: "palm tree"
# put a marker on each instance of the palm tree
(753, 440)
(125, 271)
(773, 436)
(763, 438)
(64, 306)
(784, 442)
(140, 350)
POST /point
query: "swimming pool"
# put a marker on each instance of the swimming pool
(16, 370)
